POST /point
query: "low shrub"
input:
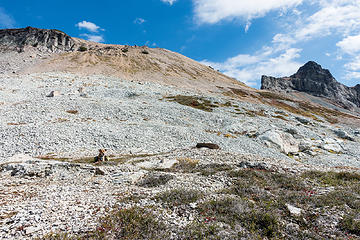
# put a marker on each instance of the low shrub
(154, 180)
(82, 49)
(200, 231)
(179, 196)
(350, 224)
(194, 102)
(333, 178)
(132, 223)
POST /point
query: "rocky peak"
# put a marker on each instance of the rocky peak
(314, 80)
(42, 39)
(312, 71)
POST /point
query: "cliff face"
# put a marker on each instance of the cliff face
(42, 39)
(313, 79)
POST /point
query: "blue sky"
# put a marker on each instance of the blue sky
(244, 39)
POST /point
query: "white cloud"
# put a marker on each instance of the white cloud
(353, 75)
(6, 21)
(93, 38)
(354, 64)
(92, 27)
(171, 2)
(139, 21)
(248, 68)
(214, 11)
(350, 44)
(339, 17)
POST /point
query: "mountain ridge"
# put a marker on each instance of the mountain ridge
(55, 51)
(314, 80)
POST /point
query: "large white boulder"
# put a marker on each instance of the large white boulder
(284, 141)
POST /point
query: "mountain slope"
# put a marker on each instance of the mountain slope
(55, 51)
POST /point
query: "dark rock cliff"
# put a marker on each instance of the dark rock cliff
(42, 39)
(313, 79)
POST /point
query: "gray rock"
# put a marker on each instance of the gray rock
(305, 145)
(208, 145)
(42, 39)
(303, 120)
(344, 135)
(53, 94)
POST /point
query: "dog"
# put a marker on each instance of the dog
(101, 157)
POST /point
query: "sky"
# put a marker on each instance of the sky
(241, 38)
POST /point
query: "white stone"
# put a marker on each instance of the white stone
(285, 141)
(294, 210)
(31, 230)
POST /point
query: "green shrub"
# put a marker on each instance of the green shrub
(350, 224)
(337, 198)
(155, 180)
(179, 196)
(199, 231)
(82, 49)
(133, 223)
(240, 212)
(264, 223)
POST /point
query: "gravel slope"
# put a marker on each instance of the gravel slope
(135, 117)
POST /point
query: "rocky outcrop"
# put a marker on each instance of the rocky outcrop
(42, 39)
(313, 79)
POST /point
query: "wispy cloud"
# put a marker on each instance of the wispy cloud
(354, 64)
(249, 68)
(353, 75)
(171, 2)
(350, 45)
(93, 38)
(92, 27)
(6, 21)
(139, 21)
(214, 11)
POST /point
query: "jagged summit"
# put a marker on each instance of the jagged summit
(314, 80)
(42, 39)
(313, 72)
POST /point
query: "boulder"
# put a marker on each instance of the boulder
(294, 211)
(332, 145)
(208, 145)
(344, 135)
(53, 94)
(303, 120)
(284, 141)
(305, 145)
